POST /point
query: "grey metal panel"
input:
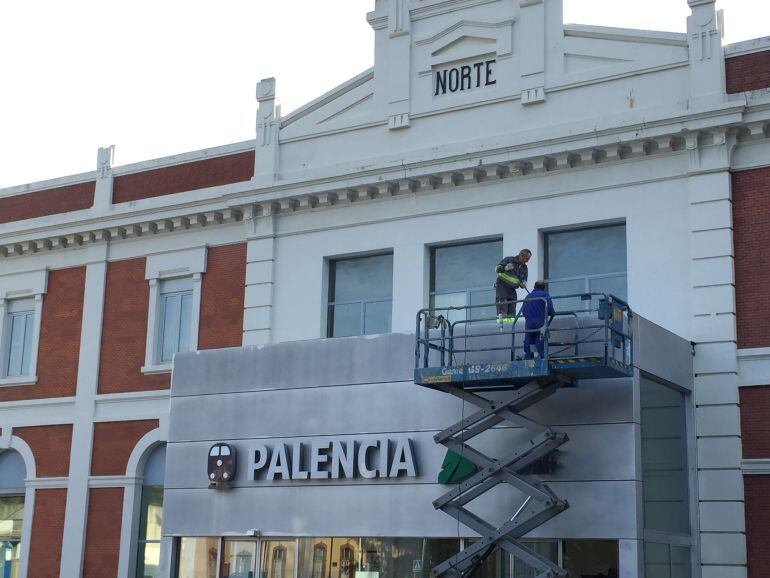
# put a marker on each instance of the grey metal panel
(662, 353)
(361, 387)
(369, 408)
(597, 452)
(384, 510)
(368, 359)
(372, 408)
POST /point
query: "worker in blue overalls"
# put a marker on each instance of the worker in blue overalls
(511, 274)
(534, 310)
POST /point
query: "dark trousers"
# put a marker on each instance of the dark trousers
(505, 293)
(533, 337)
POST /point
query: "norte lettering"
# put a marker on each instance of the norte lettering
(465, 77)
(333, 459)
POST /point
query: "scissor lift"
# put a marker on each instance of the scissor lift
(462, 351)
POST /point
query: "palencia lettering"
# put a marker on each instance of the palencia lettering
(333, 459)
(465, 77)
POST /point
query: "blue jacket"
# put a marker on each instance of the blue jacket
(535, 306)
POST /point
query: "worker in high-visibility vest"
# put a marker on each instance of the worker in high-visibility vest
(511, 274)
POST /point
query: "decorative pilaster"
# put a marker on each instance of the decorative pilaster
(399, 69)
(260, 274)
(531, 46)
(720, 483)
(85, 408)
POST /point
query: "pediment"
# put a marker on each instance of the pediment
(350, 104)
(465, 39)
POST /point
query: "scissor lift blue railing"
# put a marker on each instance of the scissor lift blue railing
(464, 352)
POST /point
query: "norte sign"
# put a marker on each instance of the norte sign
(332, 459)
(465, 77)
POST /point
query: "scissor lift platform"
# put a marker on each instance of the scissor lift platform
(467, 357)
(514, 374)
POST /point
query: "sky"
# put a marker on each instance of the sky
(160, 77)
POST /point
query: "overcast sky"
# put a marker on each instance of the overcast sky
(159, 77)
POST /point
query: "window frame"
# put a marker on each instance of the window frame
(143, 513)
(330, 290)
(13, 289)
(585, 278)
(469, 291)
(171, 267)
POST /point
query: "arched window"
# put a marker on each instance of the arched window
(12, 474)
(151, 515)
(347, 561)
(278, 564)
(319, 561)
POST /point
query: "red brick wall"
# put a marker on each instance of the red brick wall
(47, 202)
(751, 237)
(47, 533)
(185, 177)
(50, 445)
(124, 331)
(222, 293)
(57, 363)
(105, 511)
(757, 504)
(748, 72)
(755, 422)
(113, 444)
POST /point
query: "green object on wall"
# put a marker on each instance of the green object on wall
(455, 468)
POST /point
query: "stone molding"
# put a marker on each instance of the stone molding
(476, 171)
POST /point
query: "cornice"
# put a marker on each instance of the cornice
(235, 203)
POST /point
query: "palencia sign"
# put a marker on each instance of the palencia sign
(465, 77)
(332, 458)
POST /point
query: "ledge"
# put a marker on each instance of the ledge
(58, 482)
(756, 467)
(156, 369)
(16, 381)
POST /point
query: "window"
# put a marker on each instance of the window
(360, 296)
(198, 557)
(666, 561)
(462, 275)
(239, 558)
(21, 310)
(664, 459)
(578, 557)
(20, 329)
(277, 559)
(11, 518)
(175, 280)
(151, 515)
(347, 561)
(665, 480)
(175, 308)
(12, 474)
(586, 261)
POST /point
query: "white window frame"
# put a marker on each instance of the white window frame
(190, 263)
(33, 286)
